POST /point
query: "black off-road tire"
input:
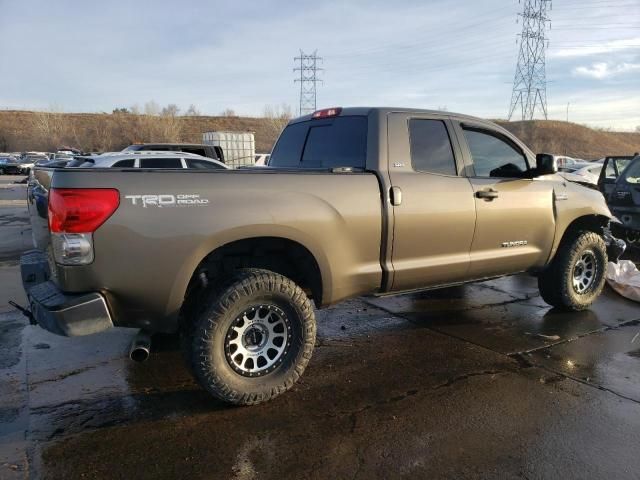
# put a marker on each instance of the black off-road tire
(208, 341)
(556, 282)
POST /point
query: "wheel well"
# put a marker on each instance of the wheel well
(591, 223)
(279, 255)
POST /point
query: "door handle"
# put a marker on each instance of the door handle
(395, 194)
(488, 194)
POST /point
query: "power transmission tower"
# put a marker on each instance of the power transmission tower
(308, 79)
(530, 84)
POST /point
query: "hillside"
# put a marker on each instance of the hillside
(562, 138)
(22, 130)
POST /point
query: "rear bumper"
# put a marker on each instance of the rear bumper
(58, 312)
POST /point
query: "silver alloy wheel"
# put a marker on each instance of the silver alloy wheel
(585, 272)
(258, 340)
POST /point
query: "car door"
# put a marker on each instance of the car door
(433, 207)
(611, 170)
(515, 223)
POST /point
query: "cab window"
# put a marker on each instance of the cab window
(431, 147)
(327, 143)
(493, 156)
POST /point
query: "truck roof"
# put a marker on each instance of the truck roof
(386, 110)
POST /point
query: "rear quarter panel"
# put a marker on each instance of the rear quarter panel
(145, 256)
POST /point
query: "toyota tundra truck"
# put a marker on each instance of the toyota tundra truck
(354, 201)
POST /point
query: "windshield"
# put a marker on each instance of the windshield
(632, 174)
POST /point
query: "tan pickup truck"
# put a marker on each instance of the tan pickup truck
(355, 201)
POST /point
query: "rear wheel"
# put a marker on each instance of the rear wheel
(576, 276)
(253, 338)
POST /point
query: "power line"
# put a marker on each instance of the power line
(308, 79)
(529, 84)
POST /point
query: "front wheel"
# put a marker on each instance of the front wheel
(575, 278)
(253, 338)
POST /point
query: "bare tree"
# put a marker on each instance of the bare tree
(171, 110)
(228, 112)
(276, 118)
(192, 111)
(151, 108)
(50, 128)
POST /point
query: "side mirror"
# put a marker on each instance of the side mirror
(546, 164)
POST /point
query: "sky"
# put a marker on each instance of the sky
(87, 56)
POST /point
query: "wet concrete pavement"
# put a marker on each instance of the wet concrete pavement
(480, 381)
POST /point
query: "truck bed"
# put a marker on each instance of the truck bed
(168, 221)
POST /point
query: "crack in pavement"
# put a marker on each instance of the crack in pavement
(71, 373)
(353, 414)
(466, 376)
(578, 337)
(520, 356)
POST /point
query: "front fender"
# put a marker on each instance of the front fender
(578, 207)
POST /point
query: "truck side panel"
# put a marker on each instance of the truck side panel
(159, 240)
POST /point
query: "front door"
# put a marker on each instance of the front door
(515, 224)
(433, 204)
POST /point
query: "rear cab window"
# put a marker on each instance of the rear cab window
(325, 143)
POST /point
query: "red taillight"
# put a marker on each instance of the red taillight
(327, 112)
(81, 210)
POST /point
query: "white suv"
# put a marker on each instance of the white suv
(148, 159)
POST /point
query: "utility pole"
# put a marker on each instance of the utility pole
(529, 84)
(308, 68)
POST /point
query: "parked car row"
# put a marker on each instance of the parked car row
(19, 164)
(156, 155)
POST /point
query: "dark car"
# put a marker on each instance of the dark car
(619, 182)
(11, 166)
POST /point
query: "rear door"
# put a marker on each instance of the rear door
(515, 223)
(432, 204)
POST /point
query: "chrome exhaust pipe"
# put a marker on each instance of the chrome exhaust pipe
(140, 347)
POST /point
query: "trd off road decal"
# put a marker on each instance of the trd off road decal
(167, 200)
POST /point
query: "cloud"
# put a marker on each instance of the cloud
(582, 50)
(602, 70)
